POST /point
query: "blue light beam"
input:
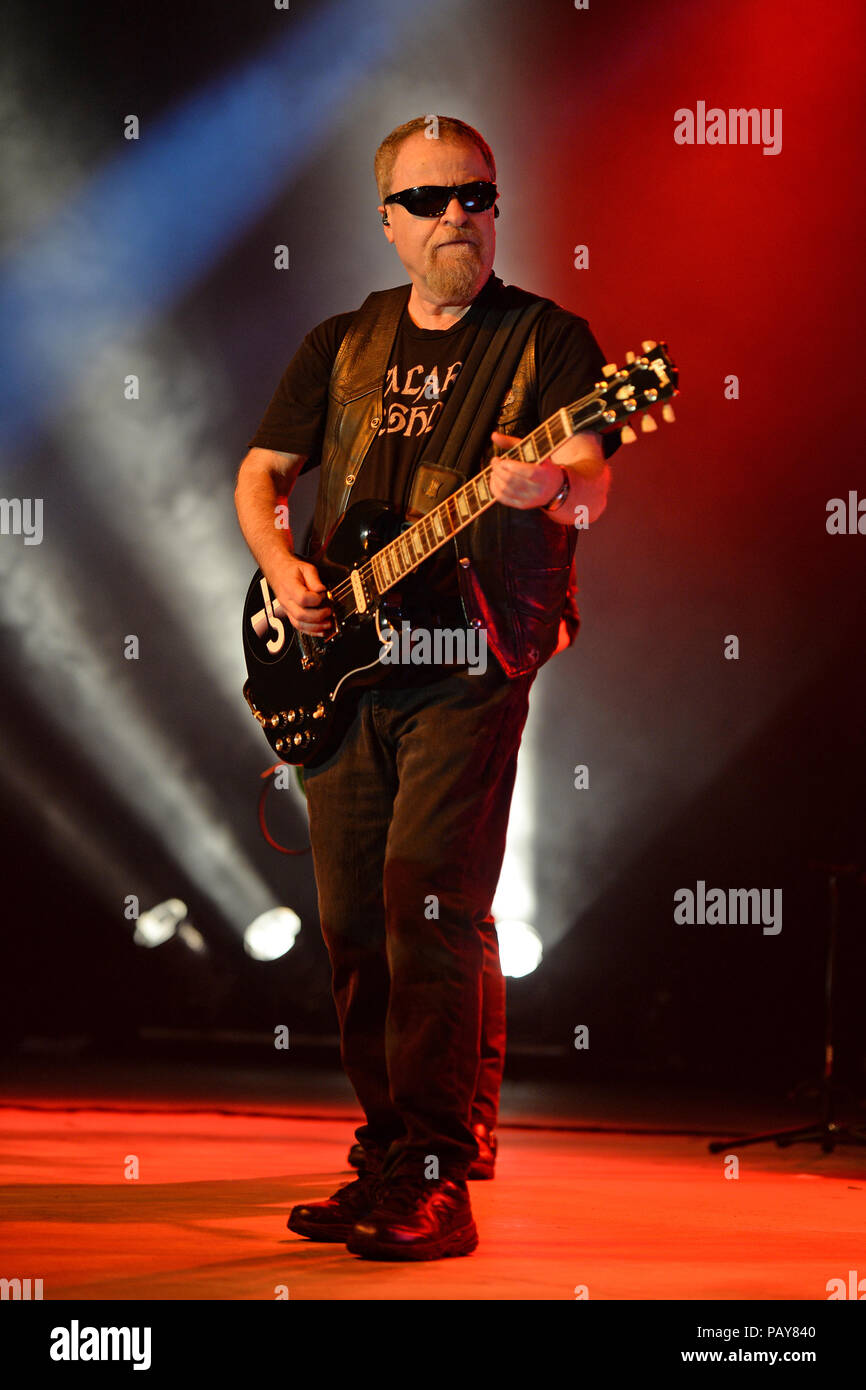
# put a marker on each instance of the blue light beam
(155, 219)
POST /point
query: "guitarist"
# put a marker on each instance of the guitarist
(408, 817)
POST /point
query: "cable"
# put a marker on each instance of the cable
(266, 776)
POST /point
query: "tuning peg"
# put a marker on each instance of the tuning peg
(608, 369)
(648, 424)
(627, 435)
(668, 412)
(648, 345)
(629, 357)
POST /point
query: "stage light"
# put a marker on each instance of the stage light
(121, 244)
(515, 898)
(192, 938)
(159, 923)
(101, 704)
(520, 948)
(272, 934)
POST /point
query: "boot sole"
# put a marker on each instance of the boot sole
(461, 1242)
(336, 1234)
(481, 1174)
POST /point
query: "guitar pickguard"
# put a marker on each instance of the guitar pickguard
(299, 686)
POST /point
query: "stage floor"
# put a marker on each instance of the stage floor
(627, 1215)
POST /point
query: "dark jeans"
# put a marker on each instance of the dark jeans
(485, 1102)
(407, 825)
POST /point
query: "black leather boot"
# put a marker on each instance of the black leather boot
(416, 1219)
(334, 1218)
(484, 1165)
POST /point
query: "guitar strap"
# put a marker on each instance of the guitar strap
(463, 430)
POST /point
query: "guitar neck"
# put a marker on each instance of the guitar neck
(623, 394)
(438, 526)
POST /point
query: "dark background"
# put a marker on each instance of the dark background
(156, 257)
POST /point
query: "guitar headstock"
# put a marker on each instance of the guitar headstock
(644, 381)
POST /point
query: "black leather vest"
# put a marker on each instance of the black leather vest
(515, 567)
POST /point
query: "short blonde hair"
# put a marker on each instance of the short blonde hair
(448, 128)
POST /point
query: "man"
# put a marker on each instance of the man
(408, 817)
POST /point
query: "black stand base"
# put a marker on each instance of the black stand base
(828, 1135)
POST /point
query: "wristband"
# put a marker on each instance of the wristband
(561, 495)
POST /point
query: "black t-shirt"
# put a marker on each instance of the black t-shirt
(424, 364)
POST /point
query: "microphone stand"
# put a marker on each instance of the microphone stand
(826, 1131)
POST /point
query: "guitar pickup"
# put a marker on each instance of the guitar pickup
(359, 592)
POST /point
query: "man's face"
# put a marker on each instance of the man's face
(448, 258)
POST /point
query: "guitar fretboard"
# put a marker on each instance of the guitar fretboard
(611, 401)
(407, 551)
(402, 555)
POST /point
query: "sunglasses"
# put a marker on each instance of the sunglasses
(431, 199)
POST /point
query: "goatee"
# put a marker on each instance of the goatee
(452, 275)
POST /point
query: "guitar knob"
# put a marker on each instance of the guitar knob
(289, 716)
(301, 740)
(274, 721)
(279, 746)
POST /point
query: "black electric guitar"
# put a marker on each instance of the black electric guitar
(303, 689)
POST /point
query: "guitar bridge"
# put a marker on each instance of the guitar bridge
(309, 651)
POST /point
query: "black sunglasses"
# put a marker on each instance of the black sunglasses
(431, 199)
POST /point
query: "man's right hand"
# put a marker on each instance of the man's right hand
(299, 593)
(265, 479)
